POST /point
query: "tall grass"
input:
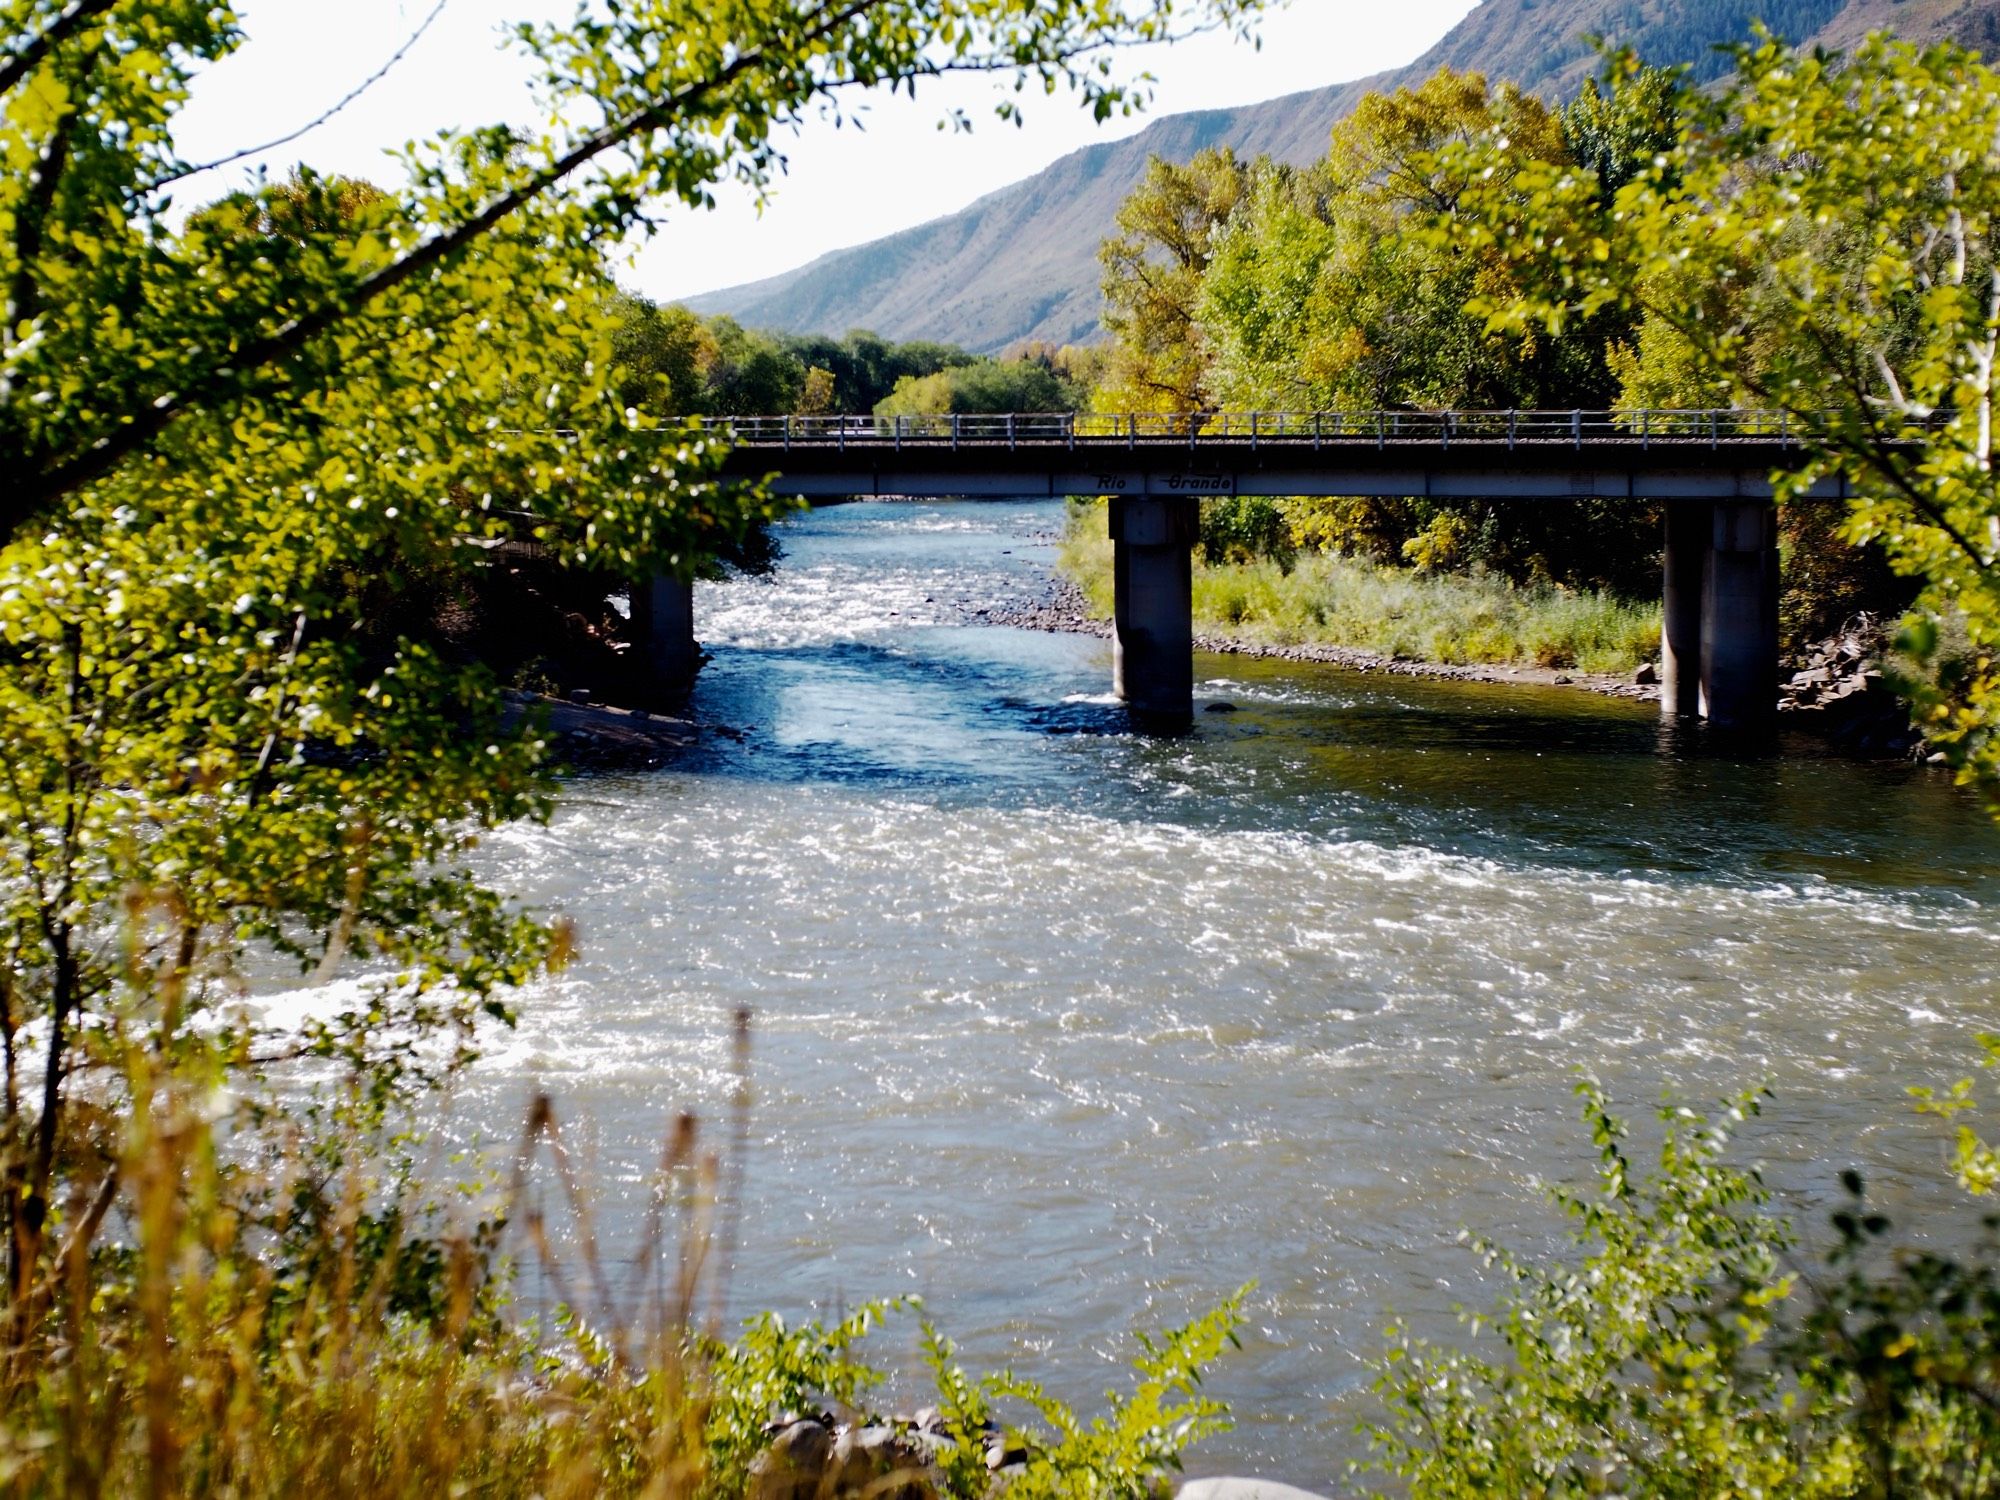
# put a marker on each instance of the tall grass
(247, 1303)
(1453, 618)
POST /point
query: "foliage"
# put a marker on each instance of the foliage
(1153, 270)
(866, 368)
(673, 363)
(1125, 1455)
(1278, 288)
(1687, 1354)
(1318, 301)
(225, 440)
(988, 385)
(205, 1340)
(1821, 241)
(1245, 528)
(1638, 1371)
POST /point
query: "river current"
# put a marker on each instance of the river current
(1074, 1032)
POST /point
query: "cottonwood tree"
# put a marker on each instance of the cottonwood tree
(1153, 269)
(216, 440)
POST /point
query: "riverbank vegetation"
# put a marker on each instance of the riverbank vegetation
(1696, 1348)
(1325, 598)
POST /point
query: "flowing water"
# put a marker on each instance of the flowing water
(1074, 1032)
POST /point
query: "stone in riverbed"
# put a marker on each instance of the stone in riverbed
(1647, 676)
(1243, 1489)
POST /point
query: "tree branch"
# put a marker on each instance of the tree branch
(33, 493)
(306, 129)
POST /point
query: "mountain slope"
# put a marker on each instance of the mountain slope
(1022, 262)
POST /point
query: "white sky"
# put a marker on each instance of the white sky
(844, 187)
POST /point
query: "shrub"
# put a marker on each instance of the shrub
(1686, 1354)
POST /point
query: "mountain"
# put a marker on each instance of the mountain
(1022, 262)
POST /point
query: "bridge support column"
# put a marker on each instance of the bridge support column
(1689, 527)
(1739, 617)
(1152, 540)
(663, 634)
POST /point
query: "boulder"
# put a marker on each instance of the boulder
(794, 1466)
(877, 1463)
(1243, 1489)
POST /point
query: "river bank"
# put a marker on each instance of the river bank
(1063, 608)
(1833, 692)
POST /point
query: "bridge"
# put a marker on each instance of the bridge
(1711, 470)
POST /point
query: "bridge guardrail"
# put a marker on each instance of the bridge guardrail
(1575, 427)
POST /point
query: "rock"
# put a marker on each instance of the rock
(1220, 708)
(794, 1466)
(999, 1456)
(1648, 675)
(875, 1462)
(1563, 679)
(1243, 1489)
(579, 695)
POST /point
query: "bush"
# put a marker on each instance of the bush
(1336, 601)
(1686, 1354)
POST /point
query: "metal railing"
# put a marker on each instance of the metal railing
(1288, 429)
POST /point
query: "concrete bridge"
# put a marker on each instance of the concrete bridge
(1712, 471)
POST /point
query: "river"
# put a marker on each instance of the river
(1074, 1032)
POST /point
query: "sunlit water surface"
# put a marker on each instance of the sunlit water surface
(1072, 1031)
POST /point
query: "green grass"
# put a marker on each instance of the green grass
(1450, 618)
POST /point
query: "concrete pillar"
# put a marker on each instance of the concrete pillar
(663, 634)
(1739, 618)
(1152, 541)
(1689, 525)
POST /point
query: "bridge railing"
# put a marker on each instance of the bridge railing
(1098, 429)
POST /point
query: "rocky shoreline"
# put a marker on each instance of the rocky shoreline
(820, 1456)
(1836, 691)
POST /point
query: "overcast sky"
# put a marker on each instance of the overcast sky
(845, 186)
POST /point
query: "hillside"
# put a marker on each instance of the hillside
(1022, 262)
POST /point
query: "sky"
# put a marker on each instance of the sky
(844, 186)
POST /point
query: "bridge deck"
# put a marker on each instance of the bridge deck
(1523, 455)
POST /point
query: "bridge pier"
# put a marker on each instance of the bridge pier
(1719, 621)
(1152, 652)
(1689, 523)
(663, 634)
(1739, 617)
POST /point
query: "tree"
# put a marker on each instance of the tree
(1821, 243)
(215, 439)
(990, 386)
(1326, 292)
(669, 97)
(1153, 271)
